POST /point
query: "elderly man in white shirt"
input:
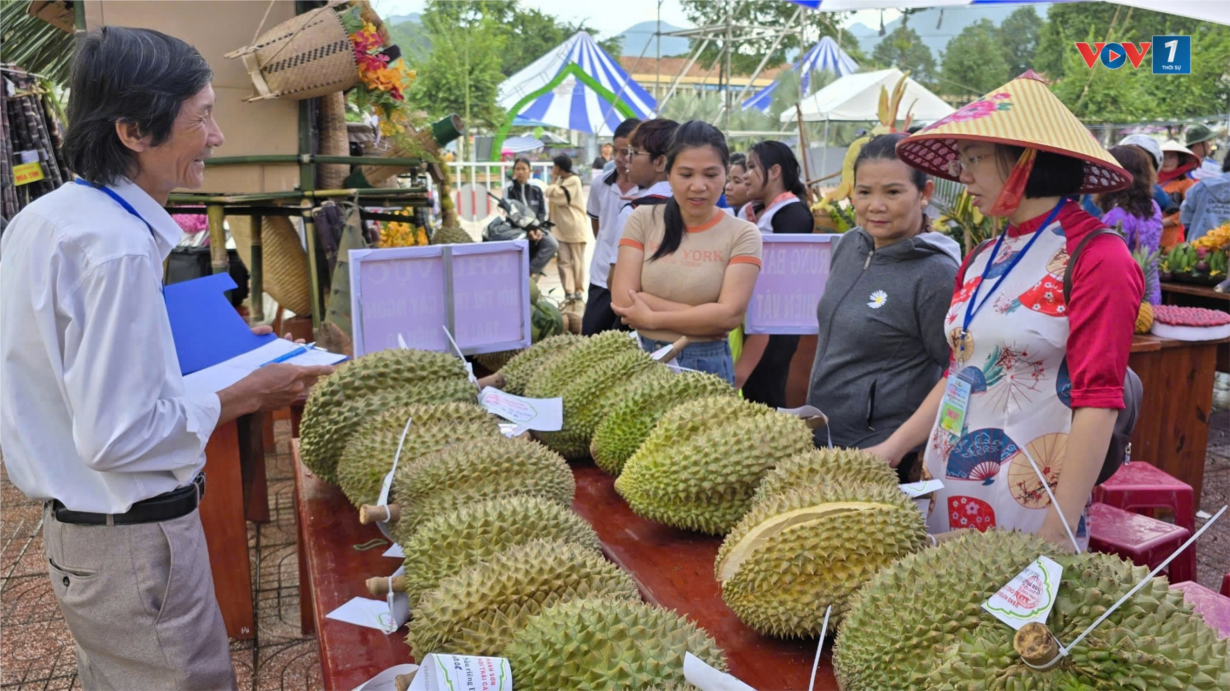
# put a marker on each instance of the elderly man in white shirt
(94, 419)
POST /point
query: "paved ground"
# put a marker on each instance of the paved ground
(36, 650)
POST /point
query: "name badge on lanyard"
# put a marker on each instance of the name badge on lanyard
(955, 405)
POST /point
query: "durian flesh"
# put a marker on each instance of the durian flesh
(602, 644)
(477, 611)
(796, 553)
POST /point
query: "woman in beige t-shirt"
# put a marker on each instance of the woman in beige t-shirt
(571, 225)
(686, 268)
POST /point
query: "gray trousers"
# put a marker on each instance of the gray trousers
(139, 601)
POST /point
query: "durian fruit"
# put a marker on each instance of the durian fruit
(588, 399)
(452, 542)
(477, 611)
(819, 467)
(1153, 641)
(700, 467)
(368, 455)
(905, 617)
(640, 407)
(519, 370)
(471, 471)
(556, 374)
(797, 552)
(597, 644)
(336, 407)
(451, 235)
(493, 362)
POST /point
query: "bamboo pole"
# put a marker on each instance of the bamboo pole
(217, 238)
(256, 276)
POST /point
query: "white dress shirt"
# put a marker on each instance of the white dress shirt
(609, 201)
(92, 404)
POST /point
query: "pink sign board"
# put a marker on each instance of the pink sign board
(794, 270)
(479, 293)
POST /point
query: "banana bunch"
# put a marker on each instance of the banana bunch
(1218, 260)
(397, 234)
(1181, 260)
(1216, 239)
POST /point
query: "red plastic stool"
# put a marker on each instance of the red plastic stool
(1140, 485)
(1142, 540)
(1225, 585)
(1213, 607)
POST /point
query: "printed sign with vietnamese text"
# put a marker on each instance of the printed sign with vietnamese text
(794, 270)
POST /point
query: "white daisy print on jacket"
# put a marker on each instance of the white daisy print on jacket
(878, 299)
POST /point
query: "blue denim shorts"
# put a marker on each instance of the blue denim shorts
(712, 357)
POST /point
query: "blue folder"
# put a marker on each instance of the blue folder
(206, 328)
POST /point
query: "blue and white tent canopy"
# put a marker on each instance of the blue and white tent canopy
(573, 104)
(825, 55)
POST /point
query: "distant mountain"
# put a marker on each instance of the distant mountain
(640, 37)
(924, 23)
(399, 18)
(407, 32)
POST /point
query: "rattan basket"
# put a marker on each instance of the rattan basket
(283, 260)
(425, 141)
(303, 57)
(334, 141)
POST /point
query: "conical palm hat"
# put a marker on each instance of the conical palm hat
(1022, 112)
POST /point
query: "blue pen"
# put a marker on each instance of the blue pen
(294, 353)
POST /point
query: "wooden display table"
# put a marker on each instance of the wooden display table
(1172, 430)
(673, 569)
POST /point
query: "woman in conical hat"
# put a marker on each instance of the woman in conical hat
(1019, 428)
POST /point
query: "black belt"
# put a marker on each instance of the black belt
(164, 507)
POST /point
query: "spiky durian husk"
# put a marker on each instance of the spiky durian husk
(452, 542)
(368, 456)
(451, 235)
(700, 467)
(477, 611)
(602, 644)
(558, 373)
(342, 401)
(522, 367)
(798, 552)
(817, 467)
(476, 470)
(590, 397)
(640, 407)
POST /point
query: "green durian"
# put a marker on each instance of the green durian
(477, 611)
(799, 551)
(640, 407)
(368, 455)
(818, 467)
(476, 470)
(340, 402)
(587, 399)
(558, 373)
(903, 620)
(700, 467)
(452, 542)
(451, 235)
(1153, 641)
(598, 644)
(494, 362)
(522, 367)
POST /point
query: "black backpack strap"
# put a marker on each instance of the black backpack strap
(1076, 253)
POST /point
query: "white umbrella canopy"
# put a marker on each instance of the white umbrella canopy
(856, 98)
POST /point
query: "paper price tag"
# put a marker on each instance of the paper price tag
(915, 490)
(955, 405)
(27, 173)
(538, 414)
(1029, 596)
(706, 678)
(462, 673)
(512, 430)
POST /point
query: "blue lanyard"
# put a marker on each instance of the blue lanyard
(127, 207)
(971, 308)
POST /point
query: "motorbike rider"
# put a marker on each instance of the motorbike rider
(543, 245)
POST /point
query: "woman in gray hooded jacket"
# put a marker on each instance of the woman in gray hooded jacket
(881, 346)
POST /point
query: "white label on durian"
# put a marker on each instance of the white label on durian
(512, 430)
(661, 352)
(462, 673)
(386, 615)
(538, 414)
(1029, 596)
(915, 490)
(698, 673)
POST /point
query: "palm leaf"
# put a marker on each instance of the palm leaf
(34, 45)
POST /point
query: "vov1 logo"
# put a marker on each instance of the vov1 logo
(1171, 54)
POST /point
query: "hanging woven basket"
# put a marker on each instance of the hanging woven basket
(426, 141)
(334, 141)
(303, 57)
(283, 260)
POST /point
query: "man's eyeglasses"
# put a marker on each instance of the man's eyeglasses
(956, 165)
(633, 153)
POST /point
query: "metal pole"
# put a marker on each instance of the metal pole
(256, 277)
(657, 82)
(764, 61)
(692, 56)
(730, 17)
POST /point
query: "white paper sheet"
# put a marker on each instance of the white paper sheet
(384, 680)
(539, 414)
(224, 374)
(463, 673)
(394, 552)
(386, 615)
(706, 678)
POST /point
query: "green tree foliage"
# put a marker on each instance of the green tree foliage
(1126, 94)
(905, 50)
(974, 62)
(34, 45)
(461, 73)
(1018, 35)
